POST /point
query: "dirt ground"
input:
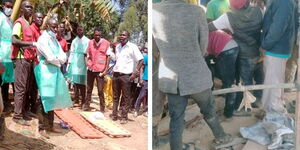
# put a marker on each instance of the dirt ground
(19, 137)
(199, 133)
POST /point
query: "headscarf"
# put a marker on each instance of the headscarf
(238, 4)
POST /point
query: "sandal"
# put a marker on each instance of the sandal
(227, 141)
(190, 146)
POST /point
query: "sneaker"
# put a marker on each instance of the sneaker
(241, 113)
(146, 114)
(85, 108)
(135, 114)
(123, 121)
(109, 107)
(30, 114)
(21, 122)
(53, 130)
(113, 117)
(27, 118)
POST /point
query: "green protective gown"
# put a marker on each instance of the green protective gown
(77, 68)
(5, 48)
(51, 82)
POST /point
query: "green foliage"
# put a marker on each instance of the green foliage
(135, 20)
(128, 15)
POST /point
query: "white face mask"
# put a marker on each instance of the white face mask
(7, 11)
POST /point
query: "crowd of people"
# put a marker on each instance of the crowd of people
(237, 41)
(40, 63)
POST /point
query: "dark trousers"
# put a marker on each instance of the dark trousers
(226, 65)
(121, 82)
(25, 87)
(177, 105)
(91, 76)
(32, 96)
(143, 94)
(135, 91)
(46, 120)
(5, 93)
(79, 89)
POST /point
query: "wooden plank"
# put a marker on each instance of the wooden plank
(254, 146)
(78, 124)
(106, 126)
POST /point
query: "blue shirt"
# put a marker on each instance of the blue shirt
(145, 74)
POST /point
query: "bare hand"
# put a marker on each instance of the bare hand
(132, 77)
(141, 82)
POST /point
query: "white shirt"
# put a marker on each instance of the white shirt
(44, 49)
(126, 58)
(111, 54)
(223, 23)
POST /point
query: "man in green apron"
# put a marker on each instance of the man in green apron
(51, 83)
(5, 48)
(77, 67)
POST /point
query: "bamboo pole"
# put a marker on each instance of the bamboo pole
(297, 115)
(16, 10)
(253, 87)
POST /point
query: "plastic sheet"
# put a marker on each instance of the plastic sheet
(275, 131)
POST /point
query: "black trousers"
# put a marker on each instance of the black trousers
(79, 89)
(121, 83)
(46, 120)
(91, 76)
(25, 87)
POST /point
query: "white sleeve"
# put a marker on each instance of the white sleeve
(223, 23)
(62, 57)
(137, 53)
(43, 49)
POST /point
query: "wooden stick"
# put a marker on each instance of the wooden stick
(297, 115)
(253, 87)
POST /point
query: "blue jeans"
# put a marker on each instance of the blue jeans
(246, 67)
(226, 65)
(142, 95)
(177, 105)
